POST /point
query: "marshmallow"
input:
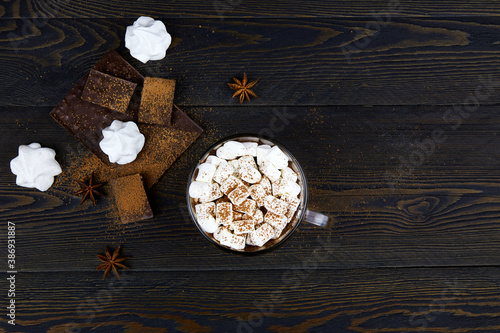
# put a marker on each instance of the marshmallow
(262, 152)
(230, 184)
(277, 187)
(208, 223)
(291, 201)
(249, 240)
(248, 206)
(205, 209)
(198, 189)
(221, 230)
(147, 39)
(250, 148)
(35, 166)
(283, 187)
(262, 234)
(258, 216)
(236, 167)
(213, 193)
(266, 185)
(250, 175)
(247, 161)
(235, 147)
(231, 150)
(224, 170)
(258, 194)
(122, 141)
(243, 227)
(238, 195)
(224, 213)
(222, 153)
(271, 171)
(290, 188)
(212, 159)
(278, 231)
(206, 172)
(289, 175)
(276, 220)
(292, 208)
(277, 157)
(275, 205)
(231, 240)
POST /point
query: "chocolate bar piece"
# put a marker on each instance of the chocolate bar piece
(157, 101)
(163, 145)
(85, 120)
(108, 91)
(131, 199)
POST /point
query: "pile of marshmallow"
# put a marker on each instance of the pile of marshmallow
(245, 194)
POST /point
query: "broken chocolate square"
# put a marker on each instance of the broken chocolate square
(157, 101)
(131, 199)
(108, 91)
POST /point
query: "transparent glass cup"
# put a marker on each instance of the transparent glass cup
(302, 213)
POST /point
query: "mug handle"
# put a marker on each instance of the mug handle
(318, 219)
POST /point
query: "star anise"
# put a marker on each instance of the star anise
(242, 88)
(111, 262)
(89, 191)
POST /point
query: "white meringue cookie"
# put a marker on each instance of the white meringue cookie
(147, 39)
(122, 141)
(35, 167)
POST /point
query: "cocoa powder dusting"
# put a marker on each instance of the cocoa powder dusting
(131, 199)
(108, 91)
(162, 147)
(157, 101)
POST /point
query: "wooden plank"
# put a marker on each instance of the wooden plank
(309, 300)
(302, 61)
(220, 9)
(439, 215)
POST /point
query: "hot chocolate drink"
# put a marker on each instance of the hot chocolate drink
(246, 194)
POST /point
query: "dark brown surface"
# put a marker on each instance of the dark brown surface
(301, 61)
(108, 91)
(418, 253)
(131, 199)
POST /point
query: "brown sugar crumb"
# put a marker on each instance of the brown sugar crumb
(157, 101)
(131, 199)
(108, 91)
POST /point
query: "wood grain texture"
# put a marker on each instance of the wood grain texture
(413, 191)
(301, 300)
(437, 216)
(323, 61)
(221, 9)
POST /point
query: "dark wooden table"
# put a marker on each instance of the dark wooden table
(392, 109)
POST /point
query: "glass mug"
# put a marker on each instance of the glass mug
(302, 212)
